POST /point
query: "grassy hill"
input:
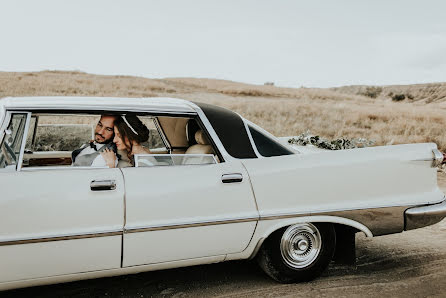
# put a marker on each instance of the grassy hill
(334, 112)
(79, 83)
(427, 93)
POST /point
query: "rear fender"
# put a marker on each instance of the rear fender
(267, 227)
(320, 218)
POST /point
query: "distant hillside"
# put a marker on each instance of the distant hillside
(84, 84)
(434, 92)
(80, 83)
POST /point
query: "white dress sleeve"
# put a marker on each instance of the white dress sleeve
(99, 161)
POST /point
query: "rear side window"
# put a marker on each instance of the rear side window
(266, 146)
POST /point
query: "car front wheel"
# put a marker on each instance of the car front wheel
(300, 252)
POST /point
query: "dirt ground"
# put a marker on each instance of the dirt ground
(410, 264)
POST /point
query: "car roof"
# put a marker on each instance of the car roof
(162, 104)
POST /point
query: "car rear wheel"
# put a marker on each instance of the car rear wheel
(299, 252)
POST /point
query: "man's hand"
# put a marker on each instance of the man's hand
(109, 157)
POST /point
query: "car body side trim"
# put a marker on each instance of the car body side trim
(278, 215)
(128, 230)
(190, 225)
(382, 220)
(61, 237)
(367, 217)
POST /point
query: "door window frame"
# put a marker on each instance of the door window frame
(30, 112)
(7, 120)
(162, 135)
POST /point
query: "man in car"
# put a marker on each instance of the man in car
(90, 153)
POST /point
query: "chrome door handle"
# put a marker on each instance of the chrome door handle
(231, 178)
(98, 185)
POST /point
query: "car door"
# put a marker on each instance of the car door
(186, 212)
(55, 221)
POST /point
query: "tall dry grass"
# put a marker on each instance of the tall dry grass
(428, 93)
(54, 83)
(282, 111)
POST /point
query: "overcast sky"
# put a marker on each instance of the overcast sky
(292, 43)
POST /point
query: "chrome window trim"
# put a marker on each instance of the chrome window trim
(64, 168)
(7, 120)
(2, 114)
(34, 131)
(266, 134)
(251, 139)
(163, 136)
(22, 147)
(102, 109)
(187, 132)
(170, 155)
(4, 126)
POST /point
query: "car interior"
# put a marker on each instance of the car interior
(51, 138)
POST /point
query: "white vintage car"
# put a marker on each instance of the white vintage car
(215, 188)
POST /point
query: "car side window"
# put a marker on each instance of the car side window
(52, 138)
(59, 132)
(12, 141)
(58, 139)
(266, 146)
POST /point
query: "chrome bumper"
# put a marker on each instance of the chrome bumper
(418, 217)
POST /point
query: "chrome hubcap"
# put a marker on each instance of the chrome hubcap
(300, 245)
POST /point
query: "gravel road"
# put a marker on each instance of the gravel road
(408, 264)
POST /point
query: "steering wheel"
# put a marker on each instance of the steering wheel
(10, 151)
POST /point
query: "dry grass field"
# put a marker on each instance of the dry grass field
(427, 93)
(331, 113)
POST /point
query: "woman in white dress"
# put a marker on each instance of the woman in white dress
(130, 132)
